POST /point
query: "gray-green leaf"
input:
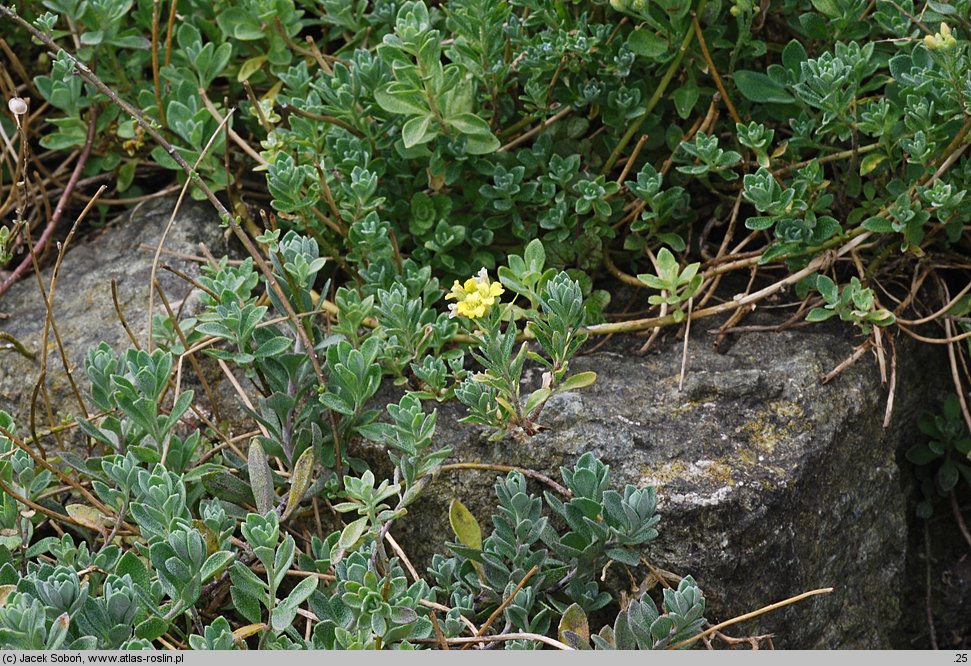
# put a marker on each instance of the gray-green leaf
(260, 478)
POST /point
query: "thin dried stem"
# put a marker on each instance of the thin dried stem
(396, 547)
(956, 377)
(630, 160)
(46, 236)
(121, 315)
(939, 313)
(713, 70)
(200, 375)
(64, 518)
(506, 468)
(849, 361)
(49, 302)
(521, 636)
(506, 602)
(949, 338)
(526, 136)
(956, 510)
(749, 616)
(445, 609)
(156, 79)
(442, 643)
(242, 396)
(236, 138)
(150, 343)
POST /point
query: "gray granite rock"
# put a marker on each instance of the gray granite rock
(83, 308)
(770, 483)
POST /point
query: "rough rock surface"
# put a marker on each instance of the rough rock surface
(83, 308)
(770, 484)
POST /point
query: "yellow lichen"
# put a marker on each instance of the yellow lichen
(717, 472)
(775, 425)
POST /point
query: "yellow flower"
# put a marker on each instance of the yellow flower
(474, 297)
(942, 40)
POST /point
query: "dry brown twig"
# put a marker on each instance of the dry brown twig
(61, 206)
(532, 474)
(168, 227)
(749, 616)
(508, 600)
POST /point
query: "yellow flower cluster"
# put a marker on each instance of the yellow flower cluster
(942, 40)
(474, 298)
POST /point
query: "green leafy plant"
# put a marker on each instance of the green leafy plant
(641, 626)
(676, 285)
(250, 593)
(542, 570)
(853, 303)
(494, 396)
(942, 460)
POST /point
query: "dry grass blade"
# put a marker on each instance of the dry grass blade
(507, 468)
(200, 375)
(472, 640)
(749, 616)
(508, 600)
(168, 228)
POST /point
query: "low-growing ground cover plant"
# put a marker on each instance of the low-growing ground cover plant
(369, 155)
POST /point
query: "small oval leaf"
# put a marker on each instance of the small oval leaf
(260, 477)
(871, 162)
(349, 537)
(535, 399)
(579, 380)
(761, 88)
(574, 629)
(299, 480)
(245, 632)
(465, 526)
(227, 487)
(646, 44)
(87, 516)
(250, 67)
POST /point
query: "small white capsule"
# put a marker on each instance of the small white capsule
(17, 106)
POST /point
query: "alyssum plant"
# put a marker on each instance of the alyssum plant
(542, 141)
